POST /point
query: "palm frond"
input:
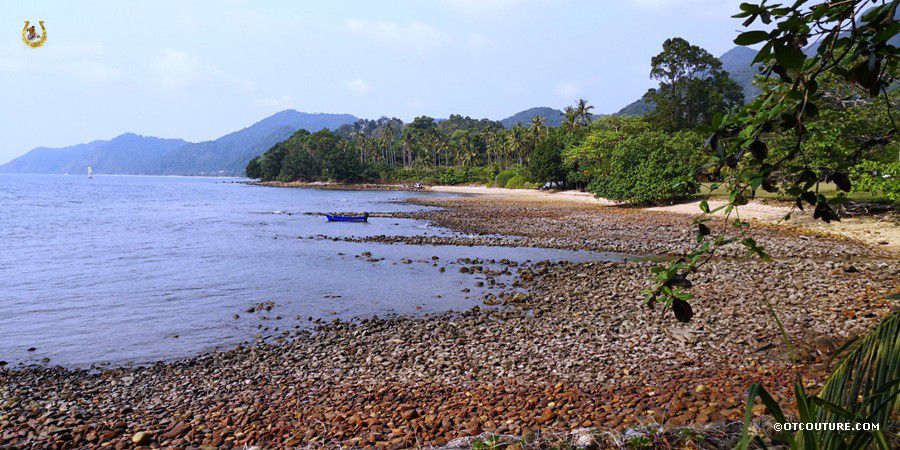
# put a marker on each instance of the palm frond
(863, 388)
(866, 381)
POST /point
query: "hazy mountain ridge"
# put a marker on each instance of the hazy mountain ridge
(132, 154)
(104, 156)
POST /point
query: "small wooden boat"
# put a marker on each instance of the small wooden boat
(342, 218)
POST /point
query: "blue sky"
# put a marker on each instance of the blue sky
(197, 70)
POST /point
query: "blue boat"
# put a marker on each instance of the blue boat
(339, 218)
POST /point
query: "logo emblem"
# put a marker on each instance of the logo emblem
(31, 37)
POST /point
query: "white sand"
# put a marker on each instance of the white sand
(530, 194)
(884, 234)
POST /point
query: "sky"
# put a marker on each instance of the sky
(197, 70)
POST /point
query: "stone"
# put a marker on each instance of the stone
(140, 438)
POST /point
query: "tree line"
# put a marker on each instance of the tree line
(653, 158)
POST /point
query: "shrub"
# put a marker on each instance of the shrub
(546, 163)
(517, 182)
(453, 175)
(650, 167)
(504, 176)
(877, 178)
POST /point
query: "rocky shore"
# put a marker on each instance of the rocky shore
(336, 186)
(573, 355)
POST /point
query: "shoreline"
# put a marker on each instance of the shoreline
(882, 233)
(577, 350)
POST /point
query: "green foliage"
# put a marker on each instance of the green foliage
(591, 153)
(254, 168)
(308, 157)
(546, 163)
(863, 388)
(848, 128)
(853, 51)
(489, 443)
(877, 178)
(300, 164)
(504, 176)
(693, 87)
(650, 167)
(518, 182)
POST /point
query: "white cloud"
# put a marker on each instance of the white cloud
(567, 90)
(477, 41)
(93, 70)
(655, 4)
(70, 48)
(358, 86)
(413, 35)
(280, 102)
(8, 64)
(477, 7)
(571, 90)
(176, 68)
(414, 103)
(85, 60)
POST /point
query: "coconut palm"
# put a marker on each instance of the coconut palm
(583, 111)
(571, 118)
(537, 130)
(387, 135)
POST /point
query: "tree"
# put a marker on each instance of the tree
(650, 167)
(546, 163)
(693, 86)
(583, 112)
(571, 118)
(254, 168)
(300, 165)
(852, 43)
(537, 130)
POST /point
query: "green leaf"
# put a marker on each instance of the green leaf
(841, 180)
(702, 231)
(751, 37)
(789, 56)
(682, 309)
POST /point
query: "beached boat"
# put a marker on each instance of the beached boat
(343, 218)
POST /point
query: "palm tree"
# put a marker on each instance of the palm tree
(387, 135)
(571, 118)
(538, 128)
(407, 147)
(515, 141)
(583, 111)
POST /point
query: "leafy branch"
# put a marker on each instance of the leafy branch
(851, 42)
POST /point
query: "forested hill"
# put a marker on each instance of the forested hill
(552, 117)
(229, 154)
(134, 154)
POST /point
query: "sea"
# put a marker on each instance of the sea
(124, 270)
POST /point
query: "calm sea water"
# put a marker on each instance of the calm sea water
(111, 270)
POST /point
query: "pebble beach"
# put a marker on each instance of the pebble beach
(565, 351)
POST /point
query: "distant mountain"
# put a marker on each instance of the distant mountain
(229, 154)
(553, 117)
(638, 107)
(133, 154)
(735, 61)
(126, 154)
